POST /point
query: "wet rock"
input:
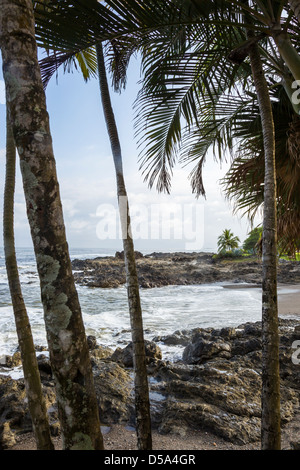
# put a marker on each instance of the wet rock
(219, 391)
(201, 349)
(44, 365)
(120, 255)
(113, 387)
(11, 361)
(223, 394)
(7, 437)
(125, 355)
(91, 341)
(162, 269)
(179, 337)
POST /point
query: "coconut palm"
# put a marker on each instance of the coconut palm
(179, 84)
(270, 419)
(295, 7)
(244, 182)
(36, 400)
(69, 355)
(227, 241)
(142, 403)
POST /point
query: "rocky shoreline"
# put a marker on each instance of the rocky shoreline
(163, 269)
(215, 387)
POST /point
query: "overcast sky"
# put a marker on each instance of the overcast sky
(87, 182)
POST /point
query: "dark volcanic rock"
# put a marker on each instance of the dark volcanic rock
(125, 355)
(162, 269)
(200, 350)
(216, 387)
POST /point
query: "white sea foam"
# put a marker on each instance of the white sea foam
(105, 311)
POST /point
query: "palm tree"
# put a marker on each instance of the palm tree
(244, 182)
(295, 7)
(227, 241)
(36, 401)
(271, 430)
(69, 355)
(207, 28)
(142, 404)
(90, 64)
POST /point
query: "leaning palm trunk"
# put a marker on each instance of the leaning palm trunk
(143, 422)
(36, 401)
(270, 426)
(69, 355)
(295, 7)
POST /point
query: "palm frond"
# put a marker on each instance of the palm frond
(85, 60)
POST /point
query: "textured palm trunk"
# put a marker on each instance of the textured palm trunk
(295, 7)
(69, 355)
(270, 424)
(288, 52)
(36, 401)
(142, 404)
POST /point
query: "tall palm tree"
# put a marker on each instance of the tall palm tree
(142, 404)
(89, 63)
(163, 129)
(36, 400)
(271, 430)
(69, 355)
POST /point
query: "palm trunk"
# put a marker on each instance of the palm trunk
(295, 7)
(270, 424)
(143, 421)
(36, 402)
(69, 355)
(288, 53)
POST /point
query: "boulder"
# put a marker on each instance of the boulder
(217, 385)
(7, 437)
(11, 361)
(124, 356)
(201, 349)
(113, 387)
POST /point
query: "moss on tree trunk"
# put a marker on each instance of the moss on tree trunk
(78, 409)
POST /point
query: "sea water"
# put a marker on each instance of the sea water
(105, 311)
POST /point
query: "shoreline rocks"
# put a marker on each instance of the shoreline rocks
(214, 387)
(163, 269)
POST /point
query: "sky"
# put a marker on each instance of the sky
(160, 222)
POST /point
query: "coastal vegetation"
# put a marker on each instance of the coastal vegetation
(227, 241)
(206, 64)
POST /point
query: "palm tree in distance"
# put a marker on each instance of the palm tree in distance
(227, 241)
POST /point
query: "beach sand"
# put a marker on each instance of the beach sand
(288, 297)
(120, 438)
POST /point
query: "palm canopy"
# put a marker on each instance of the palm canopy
(243, 183)
(185, 46)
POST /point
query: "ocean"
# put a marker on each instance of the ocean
(105, 311)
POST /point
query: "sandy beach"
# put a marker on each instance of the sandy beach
(288, 297)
